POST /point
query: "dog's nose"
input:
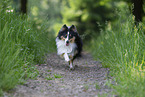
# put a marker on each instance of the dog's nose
(67, 41)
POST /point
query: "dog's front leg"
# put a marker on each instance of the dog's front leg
(66, 57)
(71, 65)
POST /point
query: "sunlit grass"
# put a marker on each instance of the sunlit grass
(21, 46)
(121, 48)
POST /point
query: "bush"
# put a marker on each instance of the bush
(121, 48)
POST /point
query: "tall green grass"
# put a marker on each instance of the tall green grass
(121, 47)
(21, 45)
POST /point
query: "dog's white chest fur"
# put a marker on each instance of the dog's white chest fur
(66, 50)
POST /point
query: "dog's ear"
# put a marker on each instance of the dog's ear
(73, 28)
(64, 27)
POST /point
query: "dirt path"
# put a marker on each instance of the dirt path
(56, 80)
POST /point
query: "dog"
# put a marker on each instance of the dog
(69, 44)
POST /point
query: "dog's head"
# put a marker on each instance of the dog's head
(68, 34)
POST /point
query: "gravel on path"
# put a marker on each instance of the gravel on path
(88, 79)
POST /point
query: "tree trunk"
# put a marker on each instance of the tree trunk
(138, 10)
(24, 6)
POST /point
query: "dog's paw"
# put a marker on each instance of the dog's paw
(71, 68)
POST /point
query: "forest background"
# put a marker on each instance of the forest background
(113, 31)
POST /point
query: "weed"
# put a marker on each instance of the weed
(48, 70)
(57, 76)
(49, 78)
(97, 86)
(86, 87)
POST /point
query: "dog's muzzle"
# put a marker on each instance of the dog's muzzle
(67, 43)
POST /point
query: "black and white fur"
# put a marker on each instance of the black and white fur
(69, 44)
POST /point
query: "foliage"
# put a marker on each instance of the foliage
(21, 45)
(47, 11)
(88, 14)
(121, 48)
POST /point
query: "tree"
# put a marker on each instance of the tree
(138, 10)
(87, 15)
(24, 6)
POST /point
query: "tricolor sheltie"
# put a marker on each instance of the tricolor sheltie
(69, 44)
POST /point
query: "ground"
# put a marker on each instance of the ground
(88, 79)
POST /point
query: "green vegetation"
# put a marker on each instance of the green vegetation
(121, 48)
(54, 76)
(26, 39)
(97, 86)
(57, 76)
(87, 14)
(49, 78)
(86, 87)
(21, 45)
